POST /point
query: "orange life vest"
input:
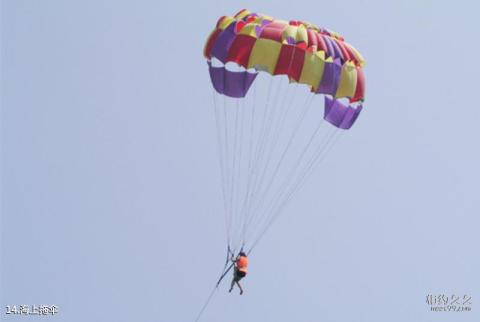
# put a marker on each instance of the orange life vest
(242, 264)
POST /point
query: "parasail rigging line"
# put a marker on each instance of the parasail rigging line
(318, 157)
(224, 273)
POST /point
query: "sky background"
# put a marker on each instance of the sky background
(111, 201)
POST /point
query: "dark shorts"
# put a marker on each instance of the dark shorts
(239, 275)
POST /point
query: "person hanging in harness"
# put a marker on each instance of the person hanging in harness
(240, 271)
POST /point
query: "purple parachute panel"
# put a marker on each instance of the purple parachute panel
(340, 115)
(331, 78)
(223, 43)
(232, 84)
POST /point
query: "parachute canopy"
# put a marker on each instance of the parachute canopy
(307, 54)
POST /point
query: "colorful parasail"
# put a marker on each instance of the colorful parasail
(270, 138)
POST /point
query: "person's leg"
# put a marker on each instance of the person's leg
(234, 279)
(231, 285)
(240, 287)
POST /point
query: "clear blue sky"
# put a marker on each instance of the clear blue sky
(110, 184)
